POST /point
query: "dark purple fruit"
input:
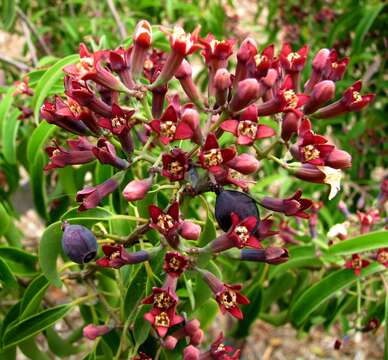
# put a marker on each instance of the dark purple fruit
(79, 243)
(229, 201)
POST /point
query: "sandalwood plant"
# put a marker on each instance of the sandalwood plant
(160, 224)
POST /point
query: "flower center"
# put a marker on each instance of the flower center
(175, 168)
(114, 255)
(162, 300)
(162, 320)
(293, 56)
(356, 96)
(118, 122)
(220, 348)
(85, 65)
(165, 222)
(382, 257)
(242, 233)
(174, 264)
(213, 157)
(291, 98)
(213, 44)
(228, 298)
(334, 65)
(310, 152)
(74, 107)
(357, 263)
(247, 128)
(56, 152)
(167, 129)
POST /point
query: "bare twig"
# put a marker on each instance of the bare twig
(21, 66)
(33, 30)
(116, 16)
(30, 44)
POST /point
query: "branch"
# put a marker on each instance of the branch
(116, 16)
(15, 63)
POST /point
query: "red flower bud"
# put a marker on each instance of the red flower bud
(222, 83)
(191, 117)
(142, 38)
(183, 74)
(290, 123)
(105, 152)
(191, 353)
(248, 91)
(170, 342)
(197, 337)
(93, 331)
(189, 230)
(137, 189)
(339, 159)
(321, 94)
(192, 326)
(244, 164)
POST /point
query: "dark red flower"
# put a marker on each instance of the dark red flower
(216, 49)
(220, 351)
(293, 206)
(120, 120)
(293, 61)
(264, 61)
(142, 356)
(169, 126)
(184, 43)
(356, 264)
(175, 263)
(241, 231)
(382, 256)
(283, 100)
(167, 222)
(212, 157)
(22, 87)
(116, 256)
(175, 164)
(368, 219)
(247, 129)
(351, 100)
(334, 69)
(105, 152)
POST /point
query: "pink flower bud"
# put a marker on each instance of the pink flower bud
(320, 59)
(321, 94)
(190, 116)
(190, 231)
(197, 338)
(93, 331)
(192, 326)
(137, 189)
(190, 353)
(170, 342)
(248, 91)
(183, 74)
(290, 124)
(222, 83)
(247, 50)
(244, 164)
(184, 70)
(339, 159)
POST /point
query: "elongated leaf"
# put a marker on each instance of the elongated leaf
(33, 296)
(20, 262)
(33, 325)
(135, 292)
(38, 138)
(321, 291)
(141, 327)
(6, 276)
(208, 232)
(10, 129)
(47, 81)
(31, 350)
(386, 328)
(38, 185)
(60, 347)
(8, 13)
(4, 220)
(365, 242)
(5, 106)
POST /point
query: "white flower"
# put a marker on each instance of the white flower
(338, 230)
(332, 178)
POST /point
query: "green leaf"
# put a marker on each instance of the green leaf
(31, 350)
(208, 232)
(365, 242)
(135, 291)
(277, 289)
(33, 325)
(5, 106)
(20, 262)
(8, 13)
(206, 313)
(33, 296)
(321, 291)
(4, 220)
(300, 256)
(6, 276)
(38, 185)
(369, 16)
(60, 347)
(386, 328)
(141, 328)
(10, 129)
(38, 138)
(48, 80)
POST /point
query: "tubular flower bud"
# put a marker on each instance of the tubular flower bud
(192, 326)
(271, 255)
(184, 75)
(357, 264)
(92, 331)
(222, 83)
(190, 230)
(142, 39)
(137, 189)
(191, 117)
(321, 94)
(351, 100)
(191, 353)
(339, 159)
(318, 65)
(116, 256)
(245, 164)
(245, 54)
(293, 206)
(246, 129)
(79, 243)
(91, 196)
(105, 152)
(197, 338)
(248, 91)
(290, 123)
(170, 342)
(120, 62)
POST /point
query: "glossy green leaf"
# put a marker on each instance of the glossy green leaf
(386, 328)
(38, 138)
(206, 313)
(60, 347)
(38, 185)
(6, 276)
(321, 291)
(33, 325)
(365, 242)
(208, 232)
(9, 131)
(5, 106)
(5, 220)
(141, 327)
(33, 296)
(31, 350)
(20, 262)
(135, 291)
(48, 80)
(8, 13)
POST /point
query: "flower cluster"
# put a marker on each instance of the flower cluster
(179, 141)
